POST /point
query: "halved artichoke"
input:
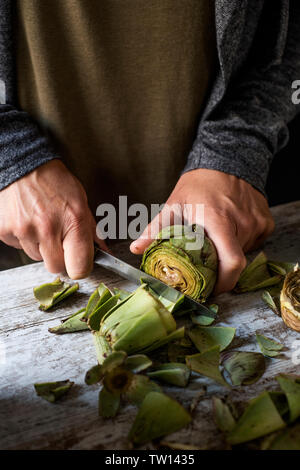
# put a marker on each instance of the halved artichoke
(290, 299)
(184, 258)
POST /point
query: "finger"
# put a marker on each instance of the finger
(78, 246)
(97, 239)
(31, 248)
(232, 260)
(53, 254)
(254, 244)
(165, 218)
(11, 241)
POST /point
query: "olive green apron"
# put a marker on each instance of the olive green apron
(119, 86)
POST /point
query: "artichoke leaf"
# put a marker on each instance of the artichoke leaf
(177, 350)
(268, 347)
(109, 404)
(290, 384)
(51, 293)
(288, 439)
(102, 347)
(52, 391)
(206, 337)
(114, 359)
(207, 364)
(271, 302)
(158, 415)
(222, 415)
(97, 314)
(204, 320)
(98, 297)
(243, 367)
(171, 373)
(175, 335)
(261, 417)
(258, 275)
(138, 388)
(94, 375)
(123, 294)
(160, 293)
(71, 324)
(137, 363)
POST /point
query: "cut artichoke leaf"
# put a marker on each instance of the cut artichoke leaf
(94, 375)
(177, 351)
(206, 337)
(177, 446)
(109, 404)
(137, 363)
(207, 364)
(261, 417)
(98, 297)
(268, 347)
(114, 359)
(71, 324)
(178, 258)
(290, 384)
(51, 293)
(123, 294)
(281, 267)
(290, 299)
(102, 347)
(171, 373)
(288, 439)
(222, 415)
(259, 274)
(160, 293)
(138, 388)
(175, 335)
(204, 320)
(139, 324)
(52, 391)
(243, 367)
(271, 302)
(159, 415)
(96, 316)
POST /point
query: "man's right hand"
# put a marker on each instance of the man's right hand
(46, 213)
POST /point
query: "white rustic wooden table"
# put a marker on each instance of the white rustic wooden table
(29, 354)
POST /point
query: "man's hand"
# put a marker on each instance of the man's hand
(46, 213)
(236, 218)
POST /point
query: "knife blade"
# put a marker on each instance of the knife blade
(110, 262)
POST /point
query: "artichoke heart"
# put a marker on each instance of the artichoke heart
(138, 324)
(290, 299)
(184, 258)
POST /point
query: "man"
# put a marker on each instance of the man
(131, 96)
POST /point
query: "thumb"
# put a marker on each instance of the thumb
(161, 220)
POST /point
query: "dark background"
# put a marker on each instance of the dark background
(283, 183)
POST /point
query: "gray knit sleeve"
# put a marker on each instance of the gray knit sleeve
(249, 126)
(23, 147)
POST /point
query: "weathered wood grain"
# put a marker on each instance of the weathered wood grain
(32, 354)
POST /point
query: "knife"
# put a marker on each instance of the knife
(110, 262)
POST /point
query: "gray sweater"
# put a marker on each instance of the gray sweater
(244, 123)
